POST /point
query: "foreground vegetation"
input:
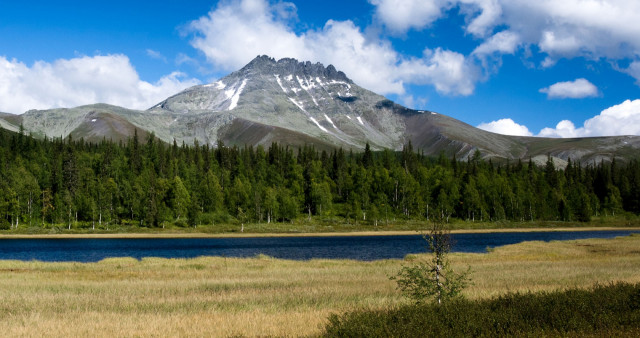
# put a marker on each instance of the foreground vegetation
(611, 310)
(55, 184)
(217, 296)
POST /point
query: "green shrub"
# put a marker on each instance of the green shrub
(435, 279)
(598, 311)
(4, 225)
(182, 223)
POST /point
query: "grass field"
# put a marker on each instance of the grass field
(213, 296)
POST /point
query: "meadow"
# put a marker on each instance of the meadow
(262, 296)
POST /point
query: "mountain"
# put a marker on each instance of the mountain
(298, 103)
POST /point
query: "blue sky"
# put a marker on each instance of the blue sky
(542, 68)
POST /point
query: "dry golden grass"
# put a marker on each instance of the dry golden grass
(214, 296)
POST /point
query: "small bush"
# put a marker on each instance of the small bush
(435, 279)
(4, 225)
(574, 312)
(222, 218)
(182, 223)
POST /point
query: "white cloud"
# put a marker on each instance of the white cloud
(482, 24)
(399, 16)
(505, 42)
(577, 89)
(410, 101)
(621, 119)
(154, 54)
(83, 80)
(506, 127)
(634, 70)
(402, 15)
(449, 72)
(236, 31)
(564, 129)
(593, 29)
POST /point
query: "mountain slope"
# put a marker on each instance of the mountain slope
(298, 103)
(304, 97)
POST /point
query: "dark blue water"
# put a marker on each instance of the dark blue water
(299, 248)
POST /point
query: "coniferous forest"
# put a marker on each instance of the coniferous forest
(145, 182)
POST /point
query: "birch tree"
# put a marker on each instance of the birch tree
(434, 279)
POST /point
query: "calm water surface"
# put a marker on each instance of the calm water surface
(298, 248)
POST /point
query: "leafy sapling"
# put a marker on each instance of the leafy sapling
(434, 279)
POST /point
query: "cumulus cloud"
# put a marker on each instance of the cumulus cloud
(593, 29)
(564, 129)
(402, 15)
(449, 72)
(504, 42)
(506, 127)
(577, 89)
(236, 31)
(621, 119)
(481, 14)
(82, 80)
(634, 70)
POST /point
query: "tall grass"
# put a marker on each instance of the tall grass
(217, 296)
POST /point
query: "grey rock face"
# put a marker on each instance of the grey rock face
(304, 97)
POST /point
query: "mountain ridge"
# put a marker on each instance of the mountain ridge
(304, 103)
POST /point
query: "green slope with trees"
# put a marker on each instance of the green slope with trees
(145, 182)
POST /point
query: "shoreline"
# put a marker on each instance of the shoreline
(308, 234)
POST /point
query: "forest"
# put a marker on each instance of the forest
(148, 183)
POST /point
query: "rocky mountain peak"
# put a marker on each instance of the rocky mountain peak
(265, 65)
(301, 103)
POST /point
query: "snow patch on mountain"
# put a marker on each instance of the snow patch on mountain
(236, 95)
(280, 83)
(330, 121)
(360, 120)
(299, 105)
(218, 85)
(307, 85)
(318, 124)
(334, 82)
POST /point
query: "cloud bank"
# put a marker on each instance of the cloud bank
(236, 31)
(83, 80)
(621, 119)
(569, 28)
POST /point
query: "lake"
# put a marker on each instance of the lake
(298, 248)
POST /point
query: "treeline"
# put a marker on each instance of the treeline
(149, 183)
